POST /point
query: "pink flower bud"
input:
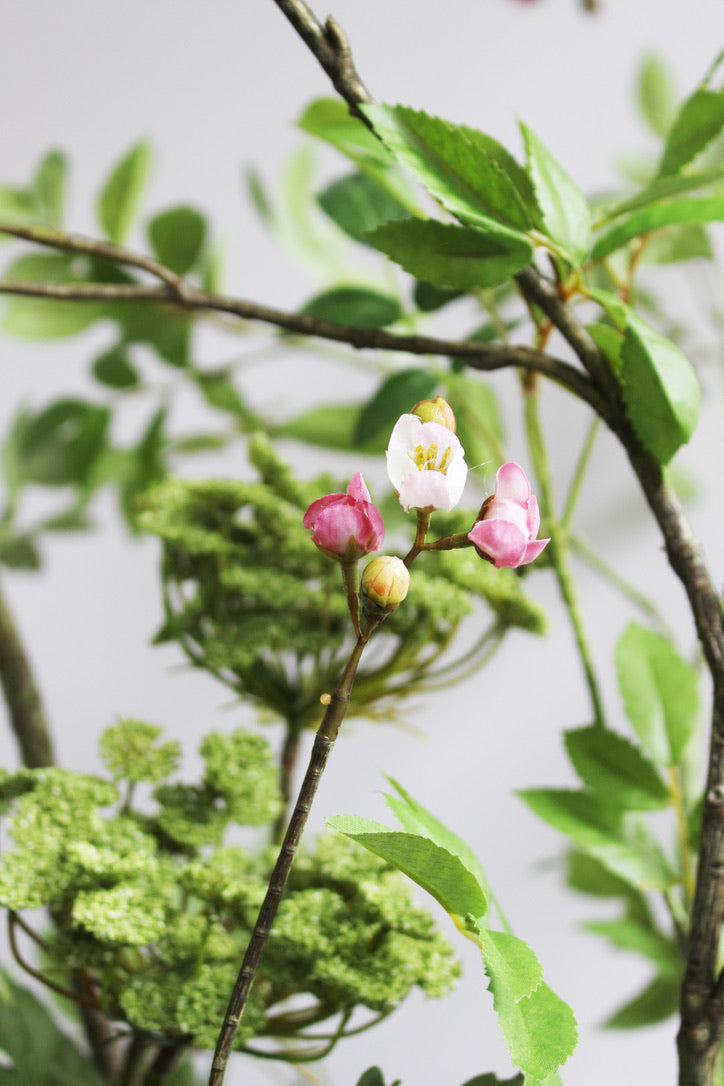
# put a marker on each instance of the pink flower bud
(346, 526)
(437, 410)
(385, 583)
(509, 521)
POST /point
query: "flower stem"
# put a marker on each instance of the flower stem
(22, 696)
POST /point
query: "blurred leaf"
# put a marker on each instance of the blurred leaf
(479, 420)
(452, 256)
(18, 551)
(493, 1080)
(358, 203)
(163, 327)
(330, 119)
(429, 298)
(49, 186)
(662, 188)
(623, 845)
(358, 307)
(331, 426)
(660, 691)
(177, 237)
(611, 765)
(657, 1002)
(219, 391)
(396, 396)
(258, 194)
(47, 318)
(677, 244)
(371, 1077)
(145, 464)
(74, 519)
(656, 95)
(698, 121)
(184, 1074)
(627, 933)
(432, 867)
(471, 174)
(113, 369)
(61, 444)
(656, 216)
(588, 875)
(41, 1055)
(121, 192)
(17, 207)
(565, 214)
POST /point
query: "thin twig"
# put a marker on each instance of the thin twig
(27, 717)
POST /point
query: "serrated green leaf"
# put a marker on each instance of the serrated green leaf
(660, 691)
(511, 962)
(429, 298)
(396, 396)
(358, 307)
(48, 318)
(622, 844)
(655, 217)
(699, 120)
(177, 237)
(478, 417)
(611, 765)
(565, 214)
(470, 173)
(539, 1030)
(449, 256)
(432, 867)
(331, 426)
(113, 369)
(629, 933)
(121, 193)
(41, 1055)
(49, 186)
(588, 875)
(358, 203)
(657, 1002)
(655, 93)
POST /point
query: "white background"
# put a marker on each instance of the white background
(215, 87)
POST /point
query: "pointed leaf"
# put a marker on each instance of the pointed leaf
(657, 1002)
(699, 120)
(611, 765)
(49, 185)
(470, 173)
(539, 1030)
(656, 95)
(113, 369)
(511, 962)
(660, 691)
(656, 216)
(396, 396)
(565, 215)
(121, 193)
(331, 426)
(358, 203)
(453, 256)
(432, 867)
(628, 933)
(47, 318)
(358, 307)
(177, 237)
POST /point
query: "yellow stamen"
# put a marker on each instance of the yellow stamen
(425, 459)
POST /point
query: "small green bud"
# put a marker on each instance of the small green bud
(437, 410)
(385, 583)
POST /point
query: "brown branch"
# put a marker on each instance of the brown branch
(25, 708)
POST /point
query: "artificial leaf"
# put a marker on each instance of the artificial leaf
(218, 389)
(660, 691)
(588, 875)
(358, 203)
(657, 1002)
(677, 244)
(432, 867)
(359, 307)
(396, 396)
(331, 426)
(454, 257)
(145, 464)
(61, 444)
(622, 844)
(478, 417)
(371, 1077)
(656, 95)
(663, 188)
(630, 933)
(698, 122)
(18, 551)
(470, 173)
(163, 327)
(493, 1080)
(429, 298)
(49, 186)
(177, 237)
(565, 214)
(658, 215)
(48, 318)
(511, 962)
(611, 765)
(539, 1030)
(113, 369)
(119, 198)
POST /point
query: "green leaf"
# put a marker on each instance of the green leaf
(62, 443)
(177, 237)
(330, 119)
(565, 214)
(699, 120)
(677, 244)
(470, 173)
(658, 215)
(493, 1080)
(611, 765)
(588, 875)
(359, 307)
(358, 203)
(539, 1030)
(655, 93)
(657, 1002)
(478, 416)
(371, 1077)
(48, 318)
(163, 327)
(121, 193)
(660, 691)
(18, 551)
(511, 962)
(257, 192)
(41, 1055)
(396, 396)
(663, 188)
(432, 867)
(113, 369)
(453, 256)
(146, 465)
(623, 845)
(219, 391)
(629, 933)
(429, 298)
(49, 186)
(331, 426)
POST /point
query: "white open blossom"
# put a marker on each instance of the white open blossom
(426, 464)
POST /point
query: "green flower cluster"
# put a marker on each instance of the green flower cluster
(249, 598)
(149, 901)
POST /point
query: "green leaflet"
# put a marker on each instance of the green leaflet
(539, 1030)
(470, 173)
(628, 933)
(177, 237)
(396, 396)
(121, 193)
(359, 307)
(699, 120)
(113, 369)
(564, 212)
(48, 318)
(656, 97)
(658, 215)
(358, 203)
(331, 426)
(453, 256)
(657, 1002)
(660, 691)
(612, 766)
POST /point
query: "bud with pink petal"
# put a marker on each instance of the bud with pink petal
(509, 521)
(385, 583)
(346, 526)
(426, 464)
